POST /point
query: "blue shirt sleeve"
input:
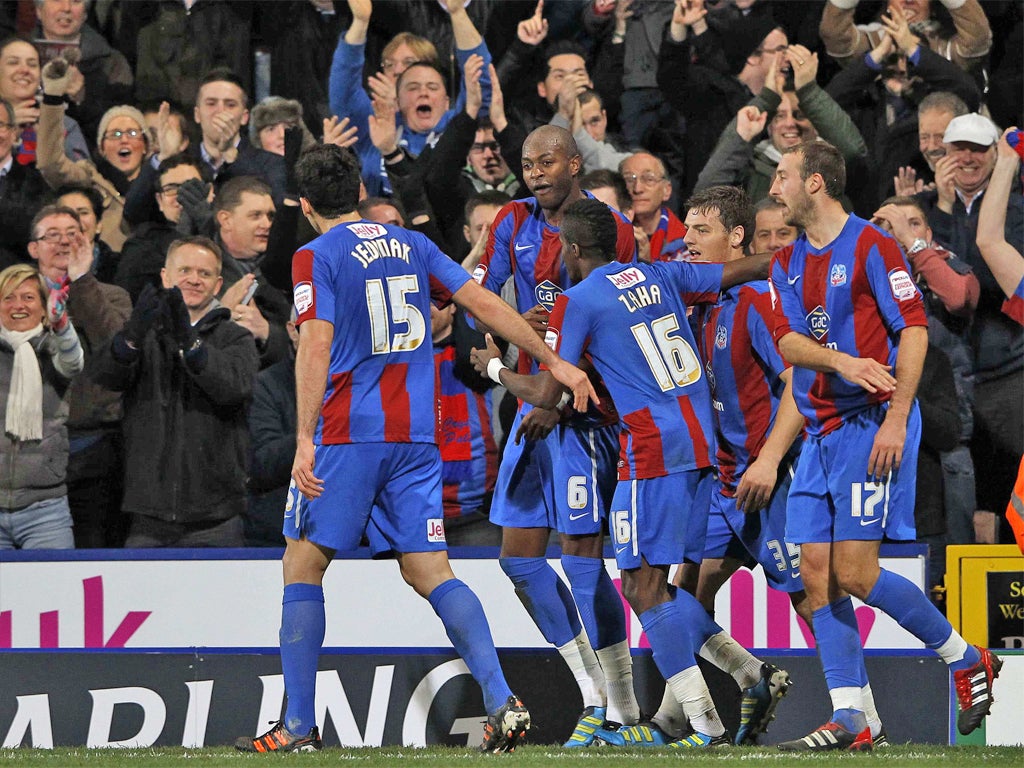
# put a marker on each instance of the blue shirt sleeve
(324, 288)
(696, 283)
(891, 283)
(348, 99)
(462, 56)
(759, 326)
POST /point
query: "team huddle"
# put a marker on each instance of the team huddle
(703, 415)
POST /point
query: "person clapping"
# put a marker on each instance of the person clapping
(39, 354)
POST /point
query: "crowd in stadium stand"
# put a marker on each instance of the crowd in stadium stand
(127, 126)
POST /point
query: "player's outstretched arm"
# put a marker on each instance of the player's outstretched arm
(541, 389)
(311, 363)
(746, 269)
(865, 372)
(506, 322)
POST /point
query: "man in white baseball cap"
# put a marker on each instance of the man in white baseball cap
(970, 157)
(962, 177)
(972, 127)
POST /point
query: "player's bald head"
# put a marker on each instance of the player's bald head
(550, 138)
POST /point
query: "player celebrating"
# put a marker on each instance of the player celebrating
(756, 427)
(630, 321)
(362, 295)
(847, 314)
(559, 477)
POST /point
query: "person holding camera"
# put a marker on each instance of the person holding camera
(187, 373)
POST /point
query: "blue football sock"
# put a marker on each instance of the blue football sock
(699, 622)
(463, 617)
(912, 610)
(670, 641)
(838, 638)
(546, 597)
(597, 599)
(301, 635)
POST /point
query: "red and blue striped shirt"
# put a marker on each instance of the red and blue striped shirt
(854, 295)
(630, 319)
(374, 283)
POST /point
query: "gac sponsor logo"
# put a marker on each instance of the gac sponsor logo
(818, 321)
(627, 278)
(366, 230)
(546, 293)
(303, 296)
(902, 285)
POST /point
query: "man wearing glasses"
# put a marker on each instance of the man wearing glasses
(97, 311)
(711, 64)
(143, 254)
(653, 221)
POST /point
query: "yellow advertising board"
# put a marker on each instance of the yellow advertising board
(985, 594)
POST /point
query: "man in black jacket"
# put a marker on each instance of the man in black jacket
(222, 110)
(22, 191)
(187, 375)
(244, 215)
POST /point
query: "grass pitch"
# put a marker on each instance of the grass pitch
(527, 756)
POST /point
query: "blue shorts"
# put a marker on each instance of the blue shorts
(833, 499)
(585, 476)
(661, 519)
(395, 488)
(754, 539)
(524, 488)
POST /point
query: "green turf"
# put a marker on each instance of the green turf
(528, 756)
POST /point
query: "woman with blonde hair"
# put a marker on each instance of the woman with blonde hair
(39, 355)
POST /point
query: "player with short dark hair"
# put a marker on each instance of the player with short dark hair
(364, 367)
(629, 320)
(851, 321)
(561, 476)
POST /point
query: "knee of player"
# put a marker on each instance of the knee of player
(855, 578)
(643, 589)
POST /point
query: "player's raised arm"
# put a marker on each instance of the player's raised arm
(498, 315)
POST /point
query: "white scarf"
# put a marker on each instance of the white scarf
(25, 399)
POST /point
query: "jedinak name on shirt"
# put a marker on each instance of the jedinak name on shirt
(369, 251)
(641, 296)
